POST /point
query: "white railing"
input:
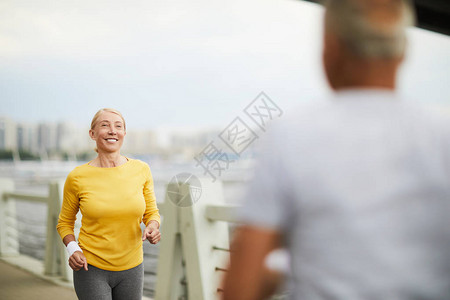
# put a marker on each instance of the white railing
(193, 251)
(55, 261)
(194, 248)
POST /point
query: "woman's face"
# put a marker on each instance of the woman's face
(108, 133)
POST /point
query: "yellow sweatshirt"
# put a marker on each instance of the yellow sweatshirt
(113, 203)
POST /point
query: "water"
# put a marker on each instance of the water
(33, 178)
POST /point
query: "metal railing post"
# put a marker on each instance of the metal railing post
(9, 242)
(200, 239)
(54, 257)
(189, 234)
(170, 273)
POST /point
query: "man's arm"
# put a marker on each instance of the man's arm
(248, 278)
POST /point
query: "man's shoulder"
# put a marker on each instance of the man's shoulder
(302, 116)
(432, 116)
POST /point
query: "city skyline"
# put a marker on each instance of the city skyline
(56, 140)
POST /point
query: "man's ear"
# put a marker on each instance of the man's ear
(92, 134)
(332, 57)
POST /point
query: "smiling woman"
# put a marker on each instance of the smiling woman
(111, 128)
(115, 195)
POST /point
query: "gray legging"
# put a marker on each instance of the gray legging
(98, 284)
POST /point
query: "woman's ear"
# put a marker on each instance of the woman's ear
(92, 134)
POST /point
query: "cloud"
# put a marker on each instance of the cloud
(184, 62)
(101, 30)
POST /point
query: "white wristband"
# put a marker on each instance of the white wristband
(72, 247)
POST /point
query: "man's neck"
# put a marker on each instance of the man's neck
(379, 74)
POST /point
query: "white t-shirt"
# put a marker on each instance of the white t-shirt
(359, 186)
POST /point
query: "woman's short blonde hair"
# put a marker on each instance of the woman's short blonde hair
(111, 110)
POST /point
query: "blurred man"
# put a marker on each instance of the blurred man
(356, 187)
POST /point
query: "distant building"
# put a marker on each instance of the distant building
(8, 139)
(46, 138)
(27, 138)
(190, 143)
(78, 140)
(141, 142)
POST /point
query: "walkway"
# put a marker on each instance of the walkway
(17, 284)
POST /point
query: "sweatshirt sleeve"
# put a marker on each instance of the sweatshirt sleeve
(151, 209)
(70, 207)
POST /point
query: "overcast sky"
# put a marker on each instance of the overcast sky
(177, 62)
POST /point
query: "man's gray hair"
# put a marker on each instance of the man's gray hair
(371, 28)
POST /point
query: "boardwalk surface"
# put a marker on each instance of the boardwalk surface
(17, 284)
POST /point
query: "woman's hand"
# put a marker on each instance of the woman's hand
(151, 232)
(78, 261)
